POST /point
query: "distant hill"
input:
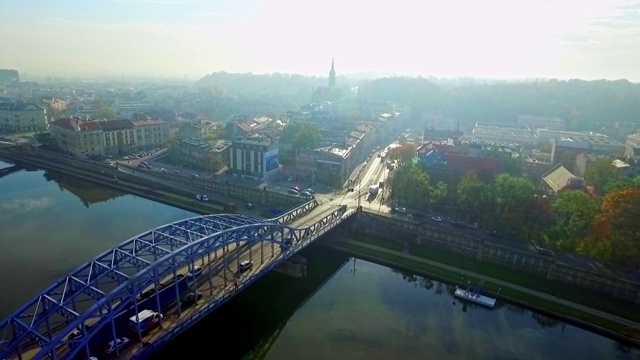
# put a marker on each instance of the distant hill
(585, 105)
(296, 87)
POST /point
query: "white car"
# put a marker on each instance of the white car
(118, 343)
(202, 197)
(436, 218)
(245, 265)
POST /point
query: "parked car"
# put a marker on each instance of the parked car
(191, 299)
(306, 193)
(296, 188)
(245, 266)
(545, 252)
(202, 197)
(310, 191)
(400, 210)
(118, 343)
(177, 172)
(293, 191)
(436, 218)
(250, 206)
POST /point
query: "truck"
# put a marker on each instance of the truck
(145, 320)
(373, 190)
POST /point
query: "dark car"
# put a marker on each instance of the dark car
(493, 233)
(191, 299)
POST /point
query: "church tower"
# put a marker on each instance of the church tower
(332, 75)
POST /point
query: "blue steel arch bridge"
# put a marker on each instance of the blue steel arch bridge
(77, 316)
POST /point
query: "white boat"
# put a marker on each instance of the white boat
(474, 295)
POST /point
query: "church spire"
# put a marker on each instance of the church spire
(332, 75)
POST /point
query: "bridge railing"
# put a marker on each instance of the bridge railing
(116, 300)
(337, 217)
(296, 212)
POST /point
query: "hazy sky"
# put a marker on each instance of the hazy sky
(490, 38)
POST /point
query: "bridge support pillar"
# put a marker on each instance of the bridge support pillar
(295, 267)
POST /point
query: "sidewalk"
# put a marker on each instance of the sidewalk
(541, 295)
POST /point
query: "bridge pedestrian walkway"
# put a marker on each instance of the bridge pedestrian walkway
(542, 295)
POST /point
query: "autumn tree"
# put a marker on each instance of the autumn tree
(403, 153)
(575, 211)
(616, 234)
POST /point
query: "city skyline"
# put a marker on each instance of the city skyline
(176, 38)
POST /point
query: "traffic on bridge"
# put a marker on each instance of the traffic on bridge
(131, 300)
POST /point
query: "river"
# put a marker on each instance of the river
(345, 309)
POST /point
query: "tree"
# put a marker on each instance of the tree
(616, 235)
(412, 186)
(476, 197)
(514, 196)
(403, 153)
(106, 113)
(576, 211)
(307, 138)
(173, 149)
(600, 174)
(47, 139)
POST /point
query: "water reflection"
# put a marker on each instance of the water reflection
(382, 313)
(89, 193)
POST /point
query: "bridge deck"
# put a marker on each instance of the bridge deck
(217, 283)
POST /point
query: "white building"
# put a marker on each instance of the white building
(20, 116)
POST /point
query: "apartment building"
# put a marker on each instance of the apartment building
(21, 116)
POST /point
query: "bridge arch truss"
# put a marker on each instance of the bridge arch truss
(92, 296)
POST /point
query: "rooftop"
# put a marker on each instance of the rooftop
(149, 122)
(20, 106)
(558, 178)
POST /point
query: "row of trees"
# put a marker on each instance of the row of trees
(604, 226)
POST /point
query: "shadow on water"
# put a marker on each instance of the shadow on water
(247, 326)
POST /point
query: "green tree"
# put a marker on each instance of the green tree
(173, 150)
(600, 174)
(105, 113)
(576, 211)
(307, 138)
(514, 197)
(47, 139)
(477, 198)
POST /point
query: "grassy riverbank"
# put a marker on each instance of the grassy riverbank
(389, 252)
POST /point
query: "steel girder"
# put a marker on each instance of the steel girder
(151, 256)
(295, 213)
(96, 279)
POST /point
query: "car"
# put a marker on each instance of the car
(292, 191)
(306, 193)
(145, 163)
(245, 266)
(493, 233)
(197, 270)
(202, 197)
(436, 218)
(250, 206)
(400, 210)
(290, 178)
(163, 170)
(118, 343)
(545, 252)
(296, 188)
(310, 191)
(191, 298)
(195, 176)
(177, 172)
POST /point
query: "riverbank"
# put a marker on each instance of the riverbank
(164, 197)
(395, 255)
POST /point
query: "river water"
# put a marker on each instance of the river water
(345, 309)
